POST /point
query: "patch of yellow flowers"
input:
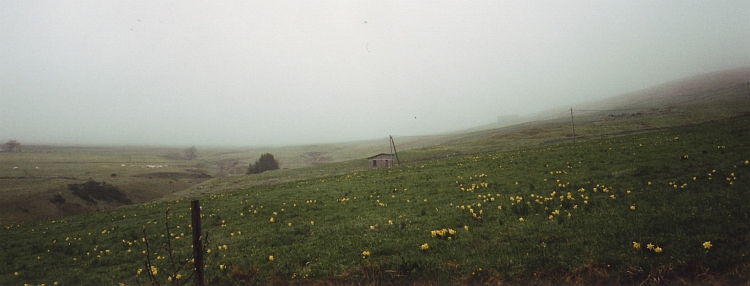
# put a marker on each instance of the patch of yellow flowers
(443, 233)
(649, 246)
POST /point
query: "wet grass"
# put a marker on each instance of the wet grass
(581, 213)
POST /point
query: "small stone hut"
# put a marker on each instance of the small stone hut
(381, 160)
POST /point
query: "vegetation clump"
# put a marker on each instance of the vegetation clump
(265, 163)
(11, 146)
(93, 191)
(191, 153)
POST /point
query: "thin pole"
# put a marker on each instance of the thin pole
(394, 150)
(574, 125)
(197, 242)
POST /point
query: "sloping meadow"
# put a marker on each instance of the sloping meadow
(654, 207)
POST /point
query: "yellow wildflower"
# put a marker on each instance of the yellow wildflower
(707, 245)
(425, 246)
(636, 245)
(270, 258)
(365, 253)
(632, 208)
(154, 270)
(520, 219)
(650, 246)
(657, 249)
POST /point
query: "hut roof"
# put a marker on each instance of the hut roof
(379, 155)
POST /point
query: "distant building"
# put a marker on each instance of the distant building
(381, 160)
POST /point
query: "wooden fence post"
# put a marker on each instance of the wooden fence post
(197, 242)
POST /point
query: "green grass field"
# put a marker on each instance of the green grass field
(662, 207)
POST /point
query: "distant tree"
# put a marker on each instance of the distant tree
(191, 153)
(11, 145)
(265, 163)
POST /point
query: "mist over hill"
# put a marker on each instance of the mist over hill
(710, 86)
(711, 89)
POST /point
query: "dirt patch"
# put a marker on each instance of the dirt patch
(57, 199)
(93, 192)
(507, 135)
(316, 158)
(174, 175)
(533, 131)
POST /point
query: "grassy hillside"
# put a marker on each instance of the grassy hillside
(34, 184)
(30, 193)
(586, 213)
(665, 167)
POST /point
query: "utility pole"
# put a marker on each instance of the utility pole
(393, 150)
(574, 125)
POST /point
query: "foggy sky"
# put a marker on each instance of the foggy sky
(301, 72)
